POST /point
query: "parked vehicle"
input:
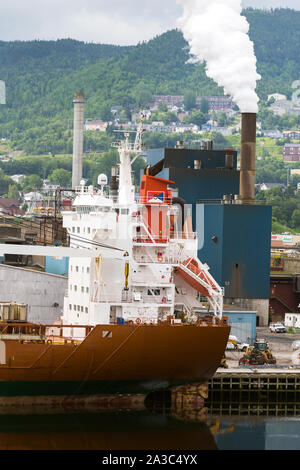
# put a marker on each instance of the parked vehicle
(277, 328)
(235, 344)
(296, 345)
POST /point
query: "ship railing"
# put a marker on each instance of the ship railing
(84, 190)
(134, 297)
(160, 239)
(159, 300)
(126, 146)
(231, 201)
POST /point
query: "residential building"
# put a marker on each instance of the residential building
(291, 153)
(18, 178)
(169, 100)
(273, 133)
(266, 186)
(96, 125)
(10, 206)
(295, 135)
(49, 188)
(217, 103)
(277, 97)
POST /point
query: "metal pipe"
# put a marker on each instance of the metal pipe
(248, 151)
(78, 139)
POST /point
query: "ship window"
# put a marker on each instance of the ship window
(70, 306)
(78, 308)
(87, 289)
(86, 310)
(75, 308)
(82, 309)
(77, 269)
(82, 289)
(153, 291)
(75, 288)
(89, 230)
(73, 229)
(78, 229)
(106, 334)
(88, 270)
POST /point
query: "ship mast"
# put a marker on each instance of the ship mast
(126, 150)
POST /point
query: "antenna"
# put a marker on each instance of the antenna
(102, 181)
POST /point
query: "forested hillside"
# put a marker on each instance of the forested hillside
(42, 76)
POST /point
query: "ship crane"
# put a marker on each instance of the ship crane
(61, 251)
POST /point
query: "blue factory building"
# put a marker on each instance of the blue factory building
(243, 325)
(55, 265)
(234, 238)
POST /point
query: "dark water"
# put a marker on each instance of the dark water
(148, 430)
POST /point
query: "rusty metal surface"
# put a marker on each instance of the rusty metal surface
(248, 150)
(131, 353)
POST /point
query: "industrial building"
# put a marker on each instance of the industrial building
(234, 232)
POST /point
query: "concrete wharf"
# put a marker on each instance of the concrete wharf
(255, 391)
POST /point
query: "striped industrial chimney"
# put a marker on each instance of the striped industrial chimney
(78, 139)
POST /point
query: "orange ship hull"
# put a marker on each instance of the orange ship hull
(114, 359)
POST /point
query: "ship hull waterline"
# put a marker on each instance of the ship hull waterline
(114, 359)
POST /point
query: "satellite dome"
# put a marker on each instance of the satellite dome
(102, 180)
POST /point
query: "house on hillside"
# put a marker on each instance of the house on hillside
(18, 178)
(294, 135)
(96, 125)
(277, 97)
(273, 133)
(9, 206)
(267, 186)
(291, 153)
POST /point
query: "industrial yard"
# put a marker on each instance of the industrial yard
(280, 345)
(150, 228)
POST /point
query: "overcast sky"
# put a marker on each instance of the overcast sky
(107, 21)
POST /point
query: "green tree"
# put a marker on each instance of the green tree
(189, 100)
(197, 118)
(204, 107)
(13, 192)
(105, 113)
(162, 107)
(296, 218)
(143, 95)
(61, 177)
(5, 182)
(32, 182)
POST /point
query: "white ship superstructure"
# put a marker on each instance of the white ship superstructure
(153, 272)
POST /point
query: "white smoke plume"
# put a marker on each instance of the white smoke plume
(217, 33)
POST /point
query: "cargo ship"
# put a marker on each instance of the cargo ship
(132, 320)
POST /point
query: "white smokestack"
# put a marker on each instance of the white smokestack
(218, 34)
(78, 139)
